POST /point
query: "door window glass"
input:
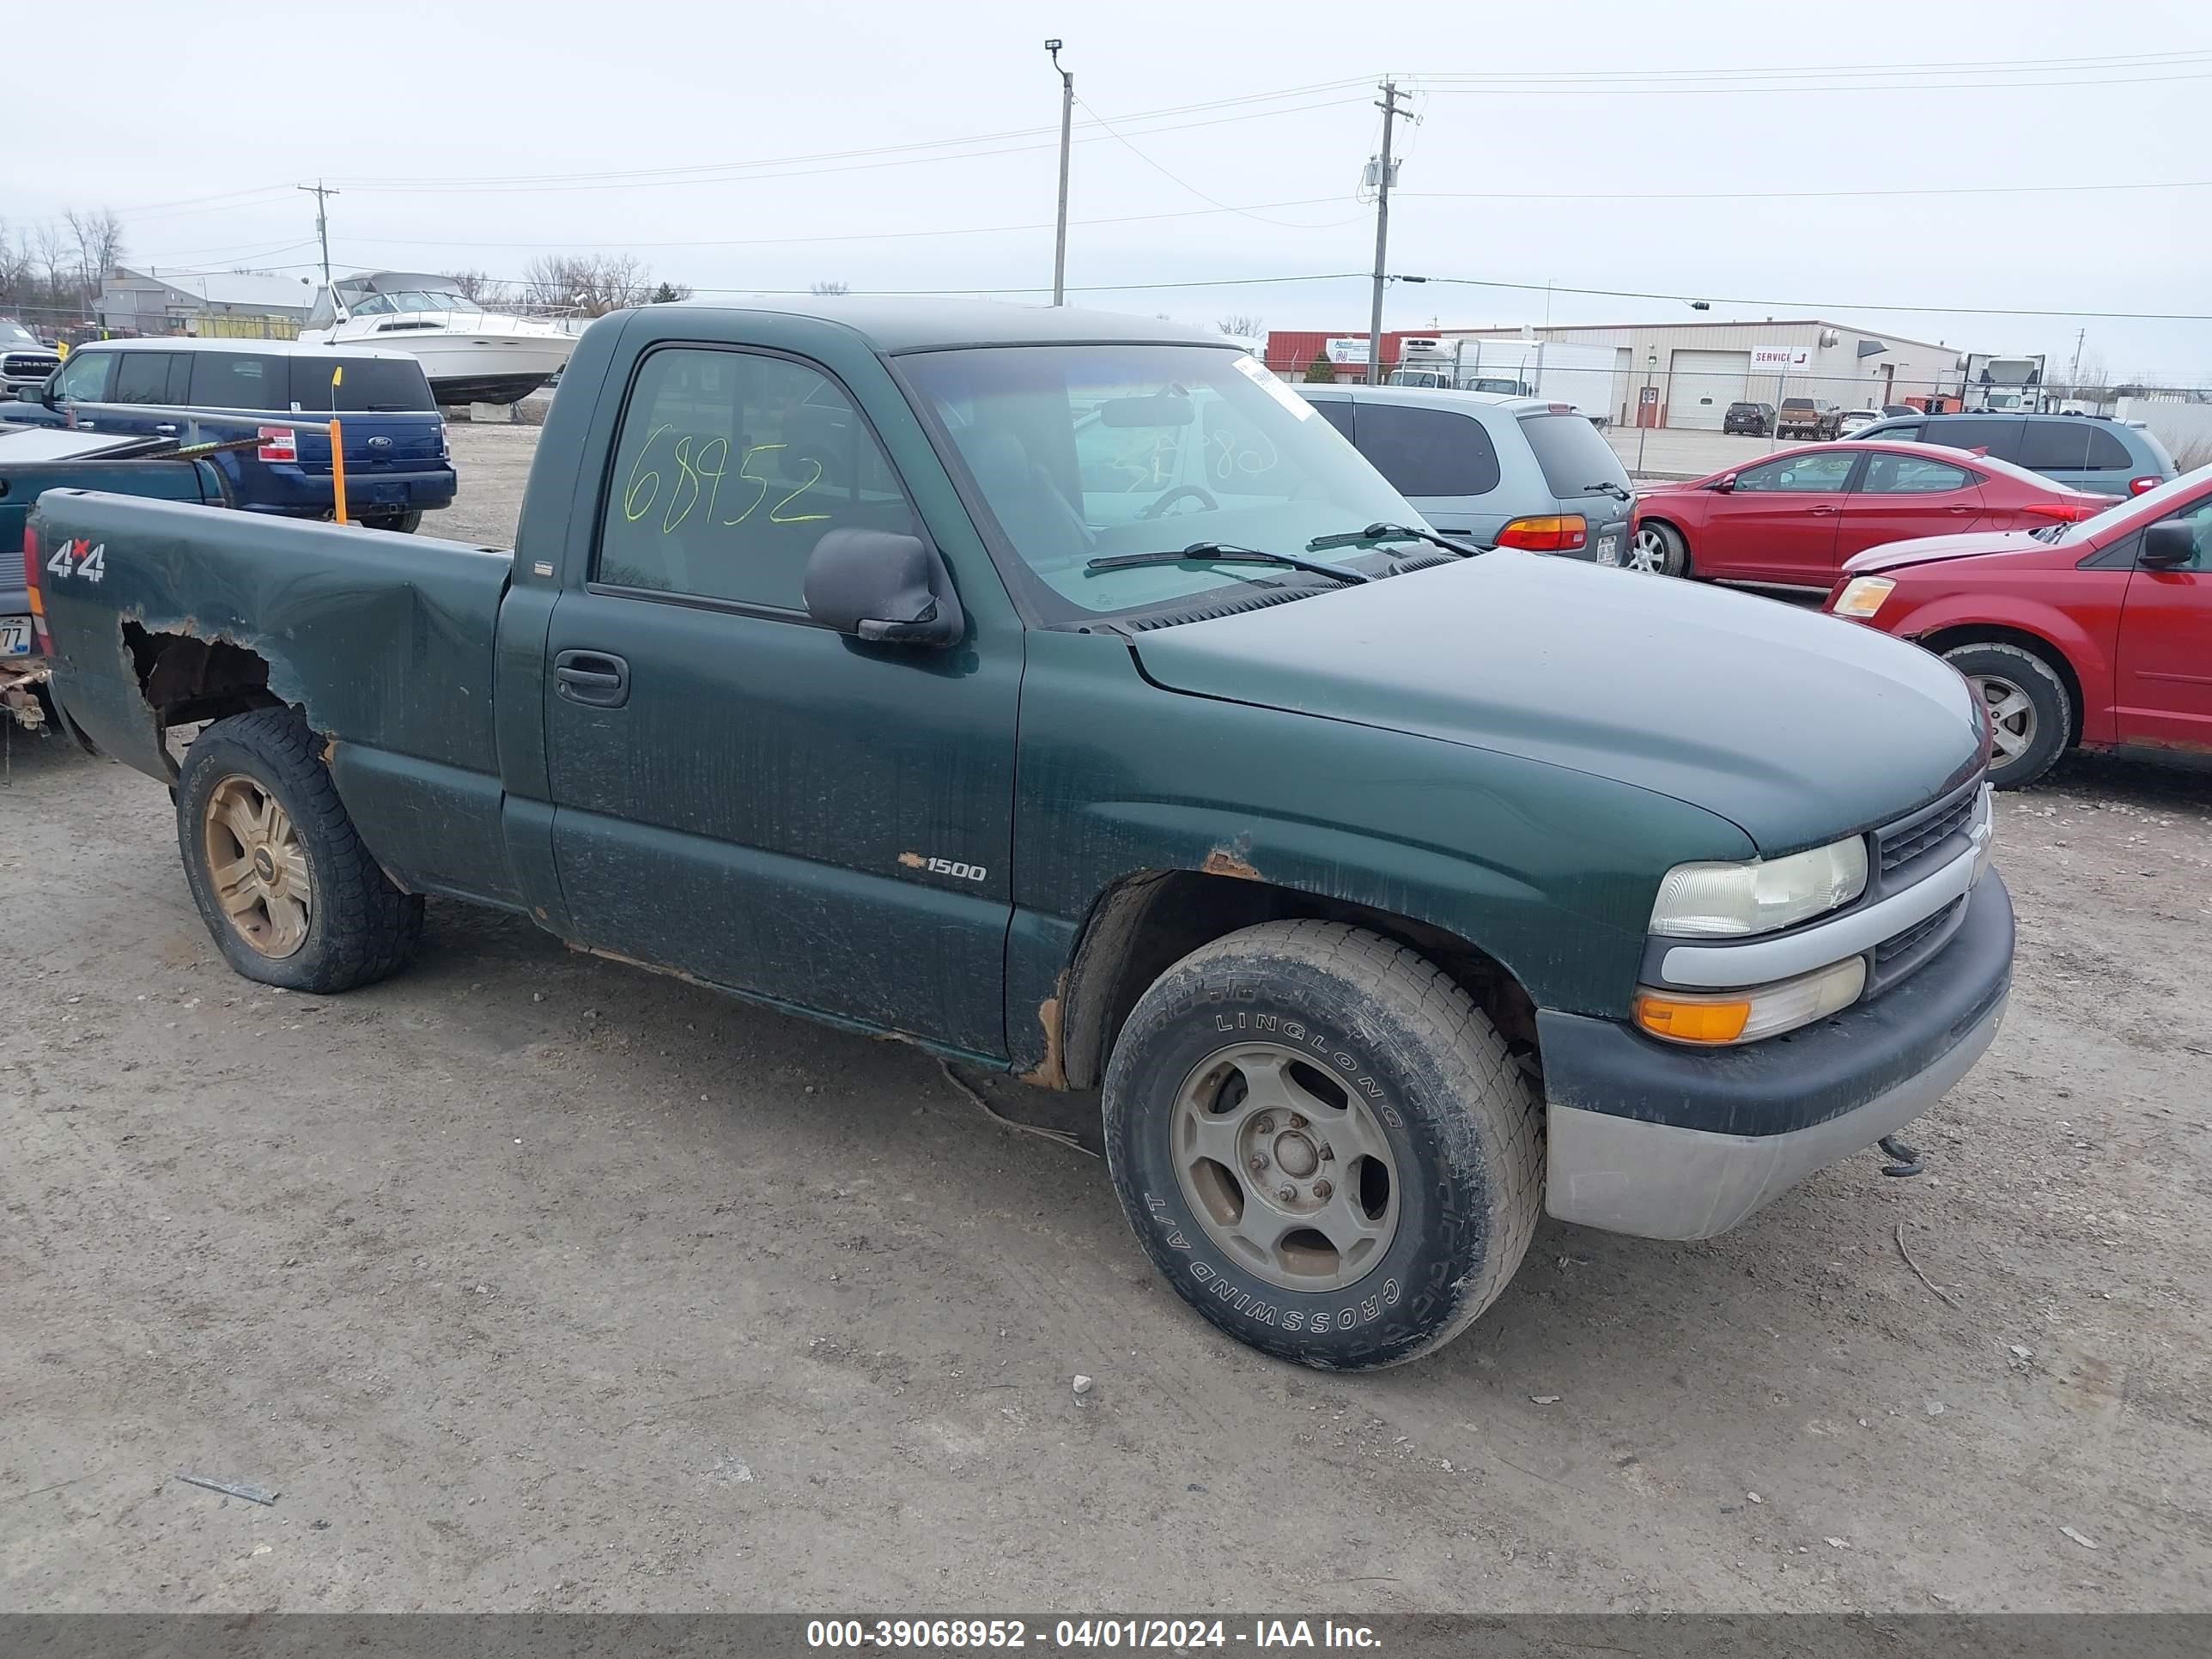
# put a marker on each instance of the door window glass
(241, 379)
(1821, 472)
(1428, 451)
(2078, 445)
(1997, 435)
(1337, 411)
(142, 377)
(1911, 475)
(86, 377)
(730, 466)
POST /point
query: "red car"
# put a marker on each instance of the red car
(1791, 519)
(2097, 632)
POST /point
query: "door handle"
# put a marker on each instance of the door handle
(167, 426)
(1819, 509)
(1962, 511)
(599, 679)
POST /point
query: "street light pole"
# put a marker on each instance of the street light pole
(1066, 128)
(1643, 425)
(1388, 106)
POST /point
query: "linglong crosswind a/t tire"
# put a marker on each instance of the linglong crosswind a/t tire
(1323, 1144)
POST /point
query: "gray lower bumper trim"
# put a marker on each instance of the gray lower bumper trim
(1630, 1176)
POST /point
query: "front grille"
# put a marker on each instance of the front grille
(22, 368)
(1897, 944)
(1902, 843)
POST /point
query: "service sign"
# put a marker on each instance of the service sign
(1347, 351)
(1781, 356)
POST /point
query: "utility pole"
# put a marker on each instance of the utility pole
(1066, 127)
(2074, 374)
(1388, 106)
(320, 191)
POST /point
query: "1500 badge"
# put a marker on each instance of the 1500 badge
(944, 867)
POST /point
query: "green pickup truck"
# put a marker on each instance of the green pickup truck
(1057, 691)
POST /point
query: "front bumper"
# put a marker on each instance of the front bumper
(1666, 1142)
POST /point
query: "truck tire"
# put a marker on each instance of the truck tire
(281, 878)
(2028, 704)
(1323, 1144)
(404, 524)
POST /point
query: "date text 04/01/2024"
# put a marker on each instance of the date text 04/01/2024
(1110, 1634)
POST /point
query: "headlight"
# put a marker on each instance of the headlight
(1863, 597)
(1726, 901)
(1747, 1016)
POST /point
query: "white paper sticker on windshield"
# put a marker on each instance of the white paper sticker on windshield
(1256, 372)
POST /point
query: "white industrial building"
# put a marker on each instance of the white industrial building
(1687, 374)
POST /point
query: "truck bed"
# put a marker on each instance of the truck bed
(384, 642)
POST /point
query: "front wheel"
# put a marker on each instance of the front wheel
(1323, 1144)
(2030, 711)
(1658, 550)
(280, 876)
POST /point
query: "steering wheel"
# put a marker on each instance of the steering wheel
(1169, 498)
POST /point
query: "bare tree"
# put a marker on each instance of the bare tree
(99, 244)
(475, 285)
(829, 290)
(17, 277)
(594, 283)
(1244, 325)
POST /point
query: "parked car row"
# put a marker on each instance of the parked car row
(396, 463)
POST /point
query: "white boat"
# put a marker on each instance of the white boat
(471, 355)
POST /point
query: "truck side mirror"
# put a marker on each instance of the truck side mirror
(31, 394)
(875, 584)
(1724, 484)
(2167, 545)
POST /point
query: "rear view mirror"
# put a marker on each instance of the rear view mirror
(1164, 409)
(875, 584)
(2167, 545)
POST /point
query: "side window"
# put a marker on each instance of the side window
(2060, 446)
(86, 377)
(1428, 451)
(1900, 434)
(1337, 411)
(239, 379)
(1822, 472)
(1911, 475)
(2106, 453)
(2198, 517)
(146, 377)
(1996, 434)
(729, 467)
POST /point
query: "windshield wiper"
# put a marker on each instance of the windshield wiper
(1220, 553)
(1391, 532)
(1607, 487)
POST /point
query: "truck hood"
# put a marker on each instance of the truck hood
(1794, 726)
(1933, 549)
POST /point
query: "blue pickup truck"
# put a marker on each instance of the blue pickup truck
(397, 464)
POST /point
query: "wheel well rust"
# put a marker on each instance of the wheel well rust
(1148, 921)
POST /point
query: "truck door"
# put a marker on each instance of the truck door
(739, 794)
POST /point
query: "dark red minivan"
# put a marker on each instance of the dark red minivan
(2097, 632)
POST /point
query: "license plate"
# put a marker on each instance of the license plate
(1609, 549)
(14, 636)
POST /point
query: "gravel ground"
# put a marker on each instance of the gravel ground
(533, 1282)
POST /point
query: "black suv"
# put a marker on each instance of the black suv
(1756, 419)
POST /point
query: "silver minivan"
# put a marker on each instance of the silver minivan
(1501, 471)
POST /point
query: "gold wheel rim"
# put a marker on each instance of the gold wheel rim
(257, 866)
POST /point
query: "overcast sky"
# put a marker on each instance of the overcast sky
(1556, 144)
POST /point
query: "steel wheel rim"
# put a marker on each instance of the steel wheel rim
(2012, 716)
(1287, 1172)
(257, 866)
(1647, 552)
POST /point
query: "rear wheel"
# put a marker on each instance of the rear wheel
(1658, 550)
(1323, 1144)
(2031, 713)
(287, 889)
(405, 524)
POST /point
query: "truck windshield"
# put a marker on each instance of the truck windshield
(1084, 452)
(15, 334)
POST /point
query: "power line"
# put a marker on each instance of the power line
(1533, 88)
(1817, 306)
(1980, 66)
(1218, 204)
(1785, 196)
